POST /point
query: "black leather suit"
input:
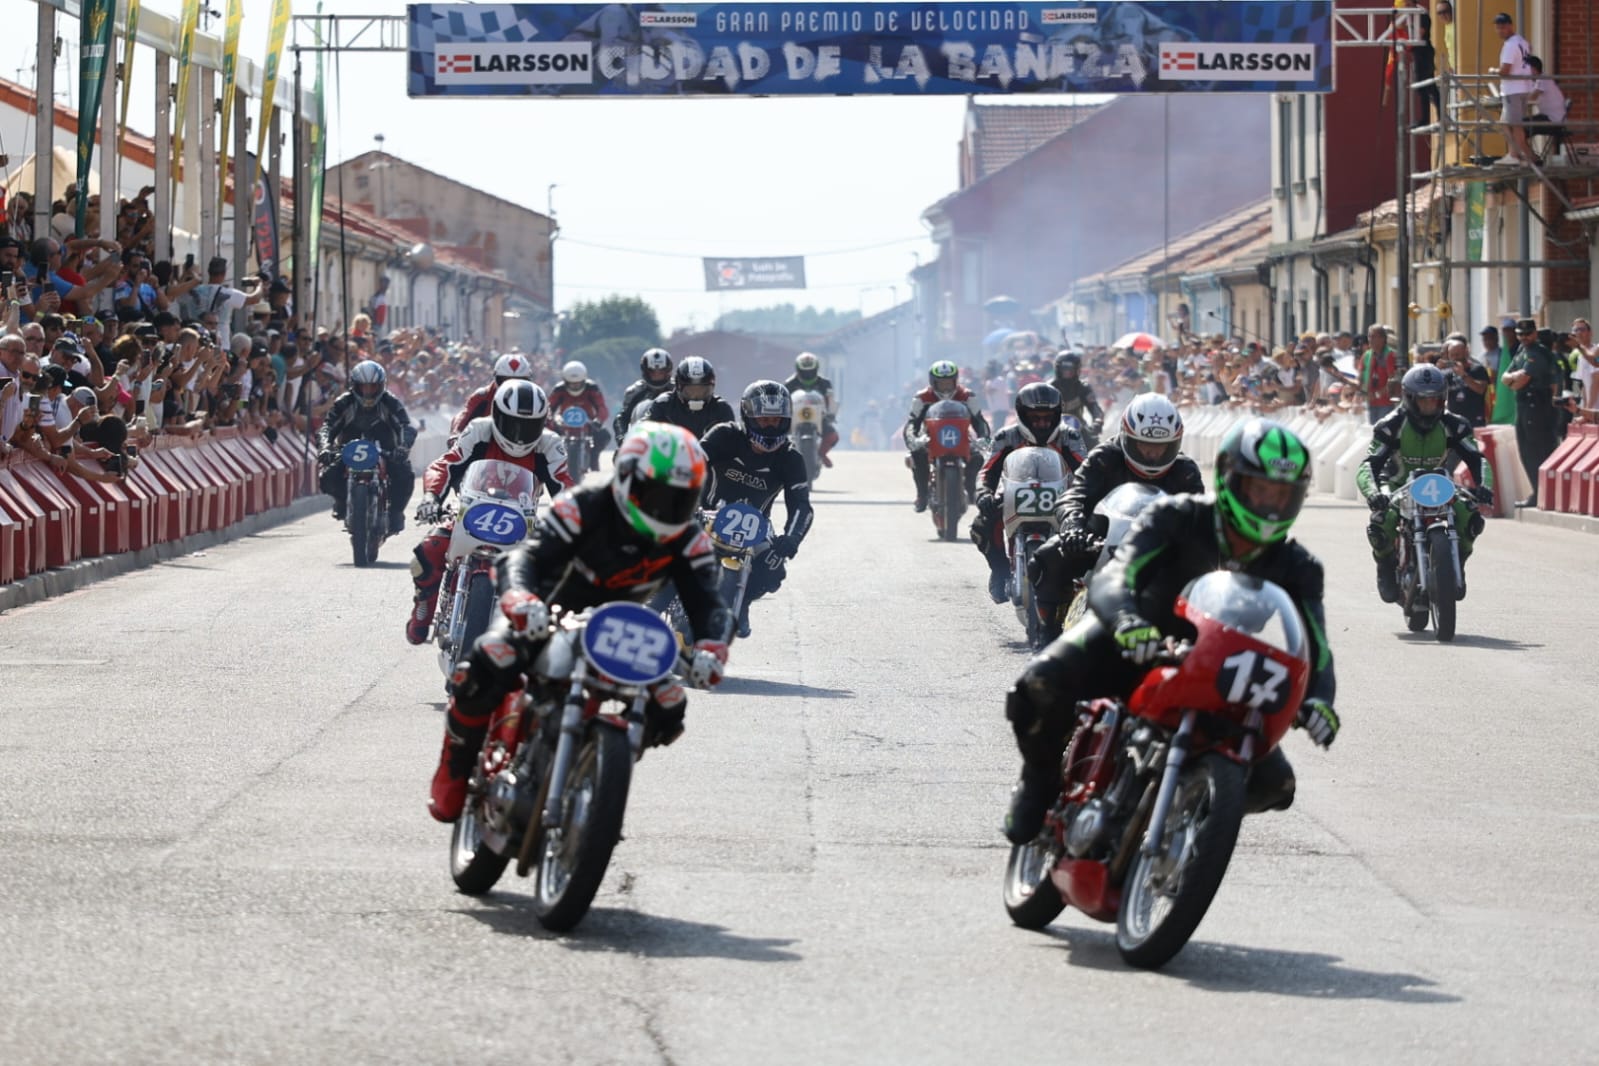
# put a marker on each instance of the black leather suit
(739, 473)
(669, 407)
(385, 423)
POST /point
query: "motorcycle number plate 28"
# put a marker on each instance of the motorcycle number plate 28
(359, 455)
(574, 418)
(1034, 501)
(1432, 490)
(949, 437)
(739, 524)
(494, 523)
(630, 643)
(1253, 679)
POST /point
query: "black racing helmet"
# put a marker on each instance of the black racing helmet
(694, 381)
(1068, 365)
(655, 366)
(768, 413)
(1425, 388)
(1038, 412)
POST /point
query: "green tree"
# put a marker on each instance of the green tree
(589, 322)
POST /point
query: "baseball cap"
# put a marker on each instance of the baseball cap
(1501, 18)
(68, 342)
(1486, 330)
(1526, 325)
(84, 395)
(57, 376)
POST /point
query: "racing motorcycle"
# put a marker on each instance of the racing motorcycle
(1030, 485)
(550, 787)
(496, 503)
(809, 408)
(1427, 553)
(739, 532)
(366, 499)
(578, 436)
(1115, 514)
(947, 436)
(1153, 789)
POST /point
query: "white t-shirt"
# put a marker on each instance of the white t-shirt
(1586, 372)
(222, 299)
(1515, 52)
(1551, 101)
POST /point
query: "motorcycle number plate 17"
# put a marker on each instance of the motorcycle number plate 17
(1432, 490)
(359, 455)
(574, 418)
(495, 523)
(1033, 501)
(739, 525)
(949, 437)
(629, 643)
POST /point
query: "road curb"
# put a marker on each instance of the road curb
(86, 572)
(1576, 523)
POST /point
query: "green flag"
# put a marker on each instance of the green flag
(130, 34)
(191, 21)
(93, 50)
(319, 145)
(230, 81)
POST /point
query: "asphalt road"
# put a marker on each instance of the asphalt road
(213, 844)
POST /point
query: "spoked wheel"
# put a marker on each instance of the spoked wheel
(952, 492)
(1441, 582)
(1031, 898)
(573, 856)
(473, 866)
(1165, 895)
(476, 615)
(359, 511)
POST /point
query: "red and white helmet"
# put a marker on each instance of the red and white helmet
(1151, 434)
(519, 411)
(512, 365)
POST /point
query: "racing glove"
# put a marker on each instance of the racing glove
(327, 457)
(710, 659)
(524, 611)
(429, 511)
(1138, 639)
(1378, 502)
(1317, 718)
(987, 506)
(780, 547)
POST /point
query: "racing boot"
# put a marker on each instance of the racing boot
(1387, 580)
(396, 523)
(1049, 620)
(1271, 784)
(999, 580)
(1030, 801)
(744, 618)
(463, 736)
(829, 439)
(416, 626)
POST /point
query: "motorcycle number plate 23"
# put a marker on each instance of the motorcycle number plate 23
(359, 455)
(495, 523)
(630, 643)
(574, 418)
(739, 524)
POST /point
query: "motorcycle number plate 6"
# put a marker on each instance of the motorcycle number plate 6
(359, 455)
(495, 523)
(738, 524)
(630, 644)
(574, 418)
(1432, 490)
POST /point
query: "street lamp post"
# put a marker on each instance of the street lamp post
(381, 167)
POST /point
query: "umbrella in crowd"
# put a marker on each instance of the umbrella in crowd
(1138, 342)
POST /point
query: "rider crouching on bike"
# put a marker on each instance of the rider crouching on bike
(577, 390)
(1416, 438)
(655, 377)
(620, 537)
(515, 433)
(1147, 449)
(1038, 424)
(1262, 476)
(1076, 398)
(943, 383)
(752, 464)
(808, 376)
(692, 401)
(368, 411)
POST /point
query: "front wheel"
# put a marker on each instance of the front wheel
(475, 617)
(474, 868)
(577, 457)
(1029, 606)
(809, 448)
(952, 494)
(573, 856)
(1165, 895)
(1441, 579)
(1031, 898)
(358, 509)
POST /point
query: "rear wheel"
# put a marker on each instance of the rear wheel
(1441, 582)
(810, 449)
(359, 511)
(574, 855)
(1031, 898)
(1165, 895)
(953, 495)
(474, 868)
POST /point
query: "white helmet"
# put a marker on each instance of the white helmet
(1151, 434)
(519, 411)
(575, 374)
(514, 365)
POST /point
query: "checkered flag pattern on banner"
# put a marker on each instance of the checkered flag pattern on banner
(1285, 23)
(485, 23)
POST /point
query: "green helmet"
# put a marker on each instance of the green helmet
(944, 377)
(1262, 476)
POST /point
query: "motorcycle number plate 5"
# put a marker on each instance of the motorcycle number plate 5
(574, 418)
(739, 524)
(494, 523)
(359, 455)
(630, 643)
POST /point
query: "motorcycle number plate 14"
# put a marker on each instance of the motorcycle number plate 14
(495, 523)
(629, 643)
(359, 455)
(949, 436)
(739, 525)
(574, 418)
(1432, 490)
(1034, 500)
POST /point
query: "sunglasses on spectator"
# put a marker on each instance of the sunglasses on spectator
(27, 376)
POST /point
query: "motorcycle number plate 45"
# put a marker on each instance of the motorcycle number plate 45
(738, 525)
(630, 643)
(359, 455)
(574, 418)
(1432, 490)
(494, 523)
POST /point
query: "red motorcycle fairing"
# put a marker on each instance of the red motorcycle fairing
(949, 437)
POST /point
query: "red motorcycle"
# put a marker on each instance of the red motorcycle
(948, 430)
(1152, 793)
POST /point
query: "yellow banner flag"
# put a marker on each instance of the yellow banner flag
(132, 30)
(191, 22)
(276, 33)
(230, 81)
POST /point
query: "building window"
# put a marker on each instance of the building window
(1299, 135)
(362, 181)
(1337, 314)
(1285, 131)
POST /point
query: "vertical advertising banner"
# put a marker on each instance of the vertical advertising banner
(263, 219)
(311, 256)
(186, 31)
(276, 32)
(230, 83)
(132, 33)
(1474, 221)
(94, 49)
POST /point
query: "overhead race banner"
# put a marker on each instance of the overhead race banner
(868, 48)
(784, 272)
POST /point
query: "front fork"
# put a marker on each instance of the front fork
(1176, 757)
(565, 746)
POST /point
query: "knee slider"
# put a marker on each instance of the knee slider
(1475, 525)
(1378, 538)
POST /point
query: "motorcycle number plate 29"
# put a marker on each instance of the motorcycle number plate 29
(574, 418)
(739, 524)
(494, 523)
(359, 455)
(630, 643)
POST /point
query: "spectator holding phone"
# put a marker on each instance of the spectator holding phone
(217, 297)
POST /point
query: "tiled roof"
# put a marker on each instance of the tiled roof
(1003, 133)
(1198, 250)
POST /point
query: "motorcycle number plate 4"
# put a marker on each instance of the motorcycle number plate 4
(1432, 490)
(495, 523)
(359, 455)
(738, 525)
(630, 644)
(574, 418)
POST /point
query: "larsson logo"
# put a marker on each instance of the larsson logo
(553, 63)
(1237, 62)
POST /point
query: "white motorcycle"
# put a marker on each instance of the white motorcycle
(1117, 511)
(1030, 486)
(810, 408)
